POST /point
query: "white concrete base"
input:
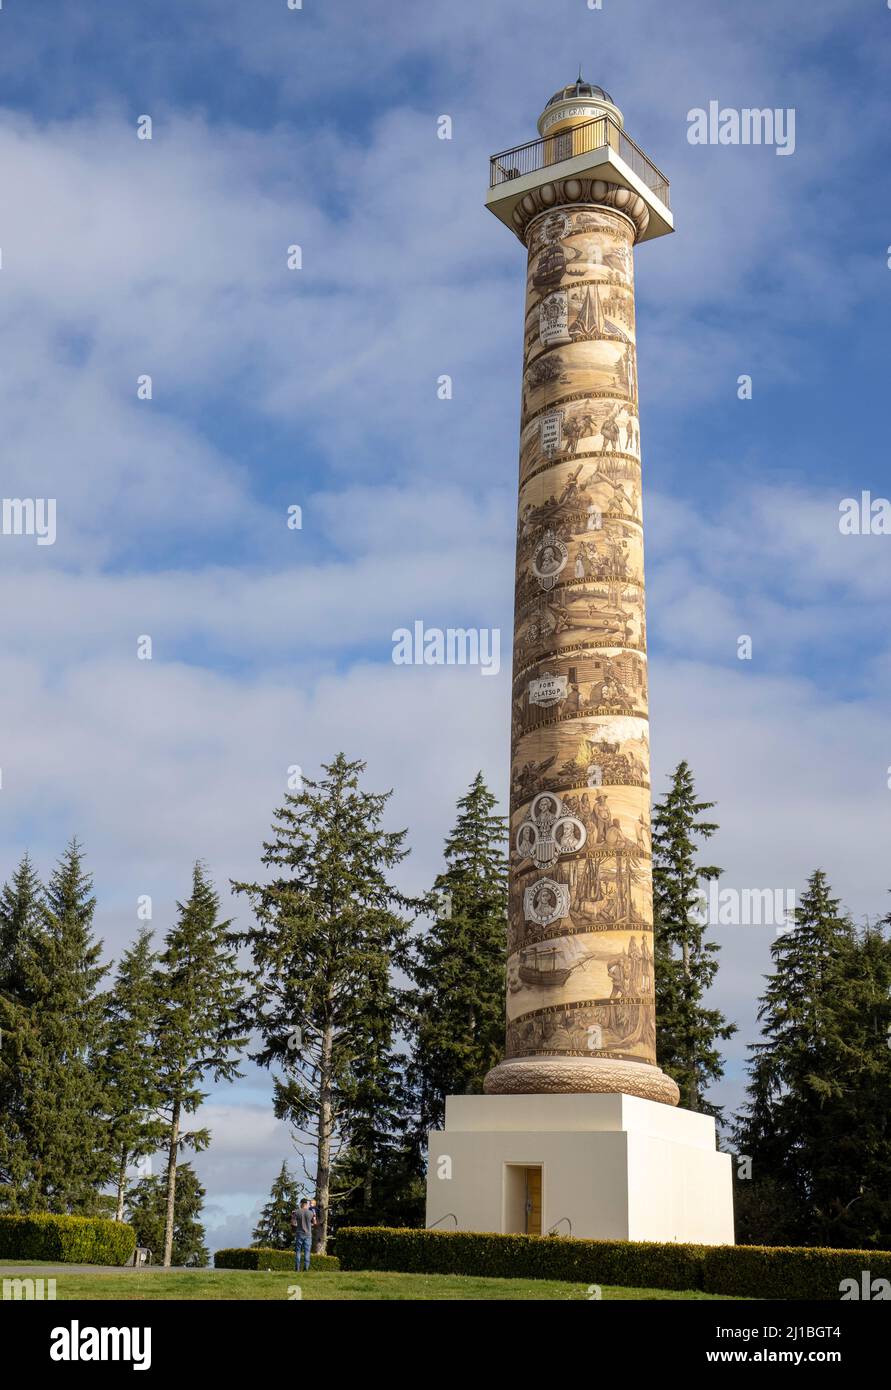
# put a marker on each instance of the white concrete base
(618, 1167)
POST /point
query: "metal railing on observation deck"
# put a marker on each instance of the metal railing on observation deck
(566, 144)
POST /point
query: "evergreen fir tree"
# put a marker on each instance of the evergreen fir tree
(273, 1230)
(381, 1157)
(21, 901)
(58, 1150)
(392, 1193)
(788, 1068)
(147, 1213)
(459, 966)
(851, 1202)
(21, 904)
(199, 991)
(377, 1115)
(685, 961)
(815, 1123)
(134, 1131)
(328, 933)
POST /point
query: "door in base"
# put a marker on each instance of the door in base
(522, 1199)
(533, 1201)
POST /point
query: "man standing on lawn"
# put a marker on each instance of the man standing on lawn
(303, 1232)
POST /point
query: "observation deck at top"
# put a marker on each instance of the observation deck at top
(582, 137)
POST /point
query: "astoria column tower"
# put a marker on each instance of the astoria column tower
(580, 986)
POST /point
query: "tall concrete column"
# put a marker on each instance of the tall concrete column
(580, 983)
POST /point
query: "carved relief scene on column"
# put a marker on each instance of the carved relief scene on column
(583, 428)
(598, 682)
(605, 367)
(580, 860)
(589, 751)
(578, 498)
(579, 614)
(624, 1029)
(582, 314)
(568, 246)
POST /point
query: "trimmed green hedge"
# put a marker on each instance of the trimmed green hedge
(259, 1257)
(739, 1271)
(634, 1264)
(87, 1240)
(788, 1271)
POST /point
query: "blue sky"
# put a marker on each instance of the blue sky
(318, 388)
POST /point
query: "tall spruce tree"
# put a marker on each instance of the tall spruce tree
(147, 1214)
(392, 1192)
(815, 1123)
(329, 932)
(21, 903)
(685, 961)
(380, 1168)
(852, 1174)
(134, 1130)
(273, 1230)
(788, 1070)
(57, 1154)
(21, 900)
(379, 1148)
(199, 989)
(459, 965)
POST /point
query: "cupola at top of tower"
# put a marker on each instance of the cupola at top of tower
(583, 154)
(573, 105)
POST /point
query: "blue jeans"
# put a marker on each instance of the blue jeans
(302, 1247)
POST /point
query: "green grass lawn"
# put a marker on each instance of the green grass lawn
(328, 1284)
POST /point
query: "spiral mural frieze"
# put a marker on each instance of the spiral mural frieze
(580, 944)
